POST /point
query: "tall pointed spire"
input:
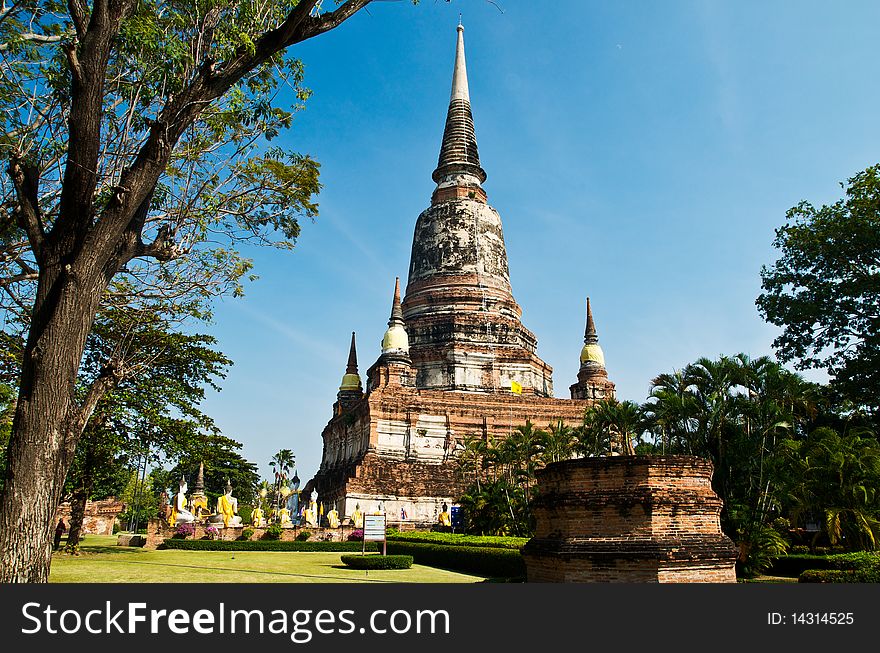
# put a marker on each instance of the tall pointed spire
(592, 383)
(352, 380)
(459, 162)
(395, 339)
(200, 479)
(591, 354)
(590, 336)
(352, 367)
(396, 310)
(459, 74)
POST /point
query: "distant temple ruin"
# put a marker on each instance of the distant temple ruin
(98, 518)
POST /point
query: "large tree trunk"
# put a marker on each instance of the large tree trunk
(47, 423)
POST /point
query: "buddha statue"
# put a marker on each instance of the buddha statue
(357, 517)
(333, 518)
(179, 513)
(227, 508)
(283, 517)
(257, 517)
(313, 501)
(443, 518)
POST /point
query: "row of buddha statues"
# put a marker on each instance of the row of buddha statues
(196, 509)
(184, 511)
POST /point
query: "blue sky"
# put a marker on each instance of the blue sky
(641, 153)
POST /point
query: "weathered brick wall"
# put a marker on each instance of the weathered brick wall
(416, 471)
(98, 518)
(629, 519)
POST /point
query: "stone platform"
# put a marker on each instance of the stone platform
(629, 519)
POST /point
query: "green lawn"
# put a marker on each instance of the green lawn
(101, 561)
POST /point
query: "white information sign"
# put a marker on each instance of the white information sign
(374, 528)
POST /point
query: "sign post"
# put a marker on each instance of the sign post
(374, 531)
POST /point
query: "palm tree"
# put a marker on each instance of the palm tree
(281, 464)
(471, 459)
(610, 426)
(558, 442)
(520, 453)
(670, 413)
(839, 474)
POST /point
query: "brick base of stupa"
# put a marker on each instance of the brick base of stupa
(650, 519)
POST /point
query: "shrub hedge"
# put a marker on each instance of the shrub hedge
(482, 561)
(456, 539)
(794, 565)
(859, 567)
(264, 545)
(378, 561)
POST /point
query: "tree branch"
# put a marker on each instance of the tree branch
(163, 248)
(34, 38)
(111, 374)
(25, 179)
(79, 14)
(25, 276)
(73, 62)
(333, 19)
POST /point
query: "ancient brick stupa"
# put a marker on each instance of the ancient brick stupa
(629, 519)
(456, 359)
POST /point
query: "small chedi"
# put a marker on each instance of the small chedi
(629, 519)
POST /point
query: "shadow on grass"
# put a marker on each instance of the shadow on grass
(249, 571)
(101, 549)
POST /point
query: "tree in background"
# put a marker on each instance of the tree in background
(134, 134)
(222, 462)
(609, 426)
(836, 477)
(281, 464)
(824, 290)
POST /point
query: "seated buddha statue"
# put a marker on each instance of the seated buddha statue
(443, 518)
(333, 518)
(179, 512)
(283, 517)
(257, 517)
(227, 508)
(357, 517)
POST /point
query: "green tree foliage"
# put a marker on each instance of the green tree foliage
(824, 290)
(222, 462)
(137, 140)
(610, 426)
(151, 413)
(837, 476)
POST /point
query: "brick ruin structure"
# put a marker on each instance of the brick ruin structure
(629, 519)
(98, 518)
(454, 349)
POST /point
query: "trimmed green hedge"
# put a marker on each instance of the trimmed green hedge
(264, 545)
(481, 561)
(795, 565)
(864, 575)
(859, 567)
(378, 561)
(456, 539)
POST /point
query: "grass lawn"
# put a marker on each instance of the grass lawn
(101, 561)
